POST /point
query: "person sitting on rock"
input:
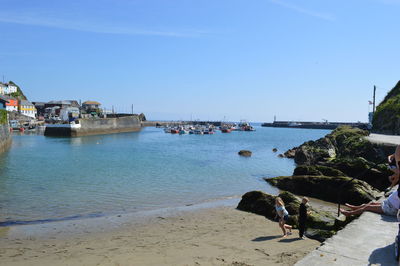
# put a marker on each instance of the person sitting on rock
(389, 206)
(394, 163)
(283, 215)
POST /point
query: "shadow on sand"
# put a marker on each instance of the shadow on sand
(290, 240)
(265, 238)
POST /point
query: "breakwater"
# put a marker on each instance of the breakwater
(95, 126)
(5, 138)
(315, 125)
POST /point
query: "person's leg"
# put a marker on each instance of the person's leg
(354, 207)
(289, 227)
(301, 229)
(371, 208)
(282, 226)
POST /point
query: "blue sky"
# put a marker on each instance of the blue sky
(206, 59)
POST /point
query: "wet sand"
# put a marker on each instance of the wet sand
(212, 236)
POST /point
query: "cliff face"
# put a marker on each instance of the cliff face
(387, 115)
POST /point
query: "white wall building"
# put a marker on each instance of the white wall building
(10, 89)
(3, 88)
(27, 108)
(6, 88)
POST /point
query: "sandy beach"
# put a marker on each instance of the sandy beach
(212, 236)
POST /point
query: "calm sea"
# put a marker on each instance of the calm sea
(45, 178)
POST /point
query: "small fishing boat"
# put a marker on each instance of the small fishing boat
(183, 131)
(226, 130)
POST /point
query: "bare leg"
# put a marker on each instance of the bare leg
(282, 226)
(354, 207)
(371, 208)
(289, 227)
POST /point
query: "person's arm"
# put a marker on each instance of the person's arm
(390, 157)
(394, 179)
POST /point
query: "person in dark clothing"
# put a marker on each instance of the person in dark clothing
(303, 217)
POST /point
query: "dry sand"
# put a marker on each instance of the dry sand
(213, 236)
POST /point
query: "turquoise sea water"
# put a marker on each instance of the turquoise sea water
(44, 178)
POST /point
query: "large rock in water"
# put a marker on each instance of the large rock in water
(245, 153)
(327, 188)
(320, 224)
(312, 152)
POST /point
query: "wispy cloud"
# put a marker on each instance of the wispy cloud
(86, 26)
(308, 12)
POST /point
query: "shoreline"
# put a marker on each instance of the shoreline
(95, 224)
(201, 235)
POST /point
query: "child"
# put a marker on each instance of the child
(303, 217)
(283, 216)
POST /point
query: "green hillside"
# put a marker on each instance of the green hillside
(19, 94)
(387, 115)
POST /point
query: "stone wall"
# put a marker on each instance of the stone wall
(5, 138)
(95, 126)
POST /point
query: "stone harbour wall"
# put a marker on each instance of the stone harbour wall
(5, 138)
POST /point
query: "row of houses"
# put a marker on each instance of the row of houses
(45, 110)
(14, 105)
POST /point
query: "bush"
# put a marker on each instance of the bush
(3, 117)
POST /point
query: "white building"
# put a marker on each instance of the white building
(11, 89)
(3, 88)
(27, 108)
(7, 88)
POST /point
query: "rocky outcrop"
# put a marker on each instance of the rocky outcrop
(387, 115)
(346, 152)
(327, 188)
(320, 224)
(341, 142)
(374, 174)
(290, 153)
(317, 170)
(245, 153)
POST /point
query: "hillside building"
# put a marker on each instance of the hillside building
(7, 88)
(27, 108)
(3, 102)
(12, 104)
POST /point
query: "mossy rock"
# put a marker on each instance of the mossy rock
(319, 234)
(344, 141)
(374, 174)
(317, 170)
(321, 224)
(327, 188)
